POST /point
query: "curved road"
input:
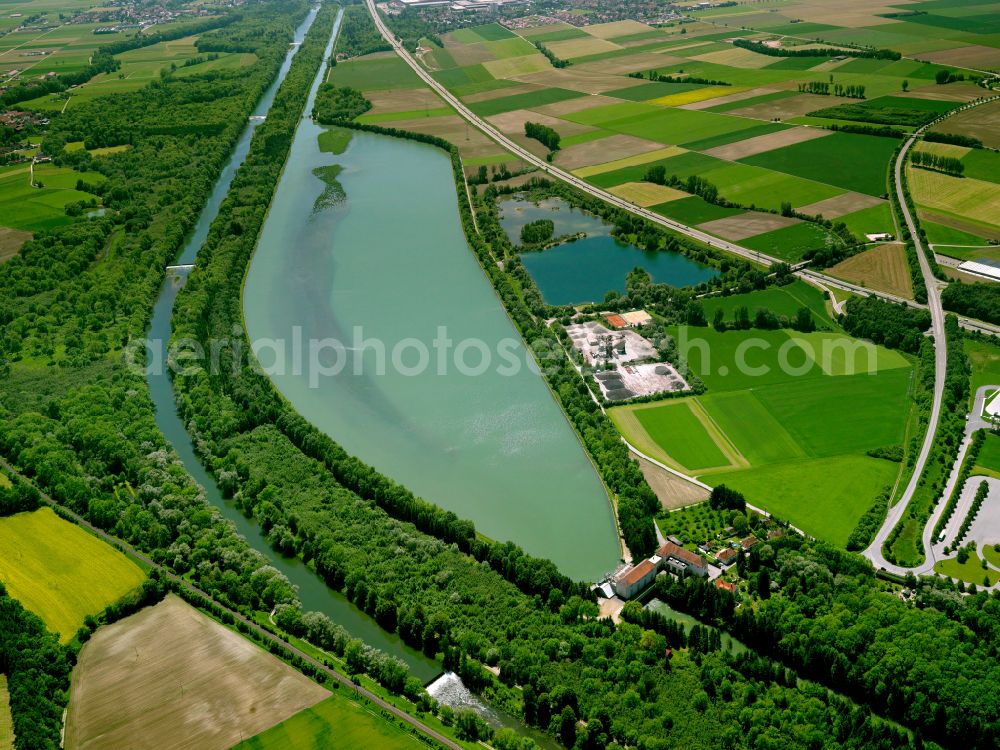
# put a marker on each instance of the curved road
(874, 551)
(177, 580)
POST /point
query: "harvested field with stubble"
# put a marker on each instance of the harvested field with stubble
(977, 200)
(792, 106)
(840, 205)
(11, 241)
(513, 122)
(750, 224)
(169, 677)
(610, 148)
(981, 122)
(671, 491)
(571, 48)
(883, 268)
(646, 193)
(403, 100)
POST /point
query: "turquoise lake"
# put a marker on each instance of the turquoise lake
(388, 272)
(585, 270)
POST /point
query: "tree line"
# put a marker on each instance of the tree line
(977, 300)
(653, 75)
(557, 62)
(956, 139)
(765, 49)
(545, 135)
(83, 427)
(947, 164)
(889, 324)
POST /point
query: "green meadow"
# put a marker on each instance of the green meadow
(788, 417)
(337, 722)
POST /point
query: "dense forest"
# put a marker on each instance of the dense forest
(358, 34)
(37, 669)
(73, 416)
(933, 666)
(977, 300)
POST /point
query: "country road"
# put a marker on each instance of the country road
(896, 512)
(173, 577)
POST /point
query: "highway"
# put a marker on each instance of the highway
(266, 634)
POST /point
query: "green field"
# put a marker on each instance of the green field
(522, 101)
(791, 416)
(490, 32)
(664, 125)
(871, 220)
(59, 571)
(790, 243)
(510, 47)
(981, 164)
(337, 722)
(971, 571)
(693, 210)
(372, 73)
(740, 135)
(984, 358)
(781, 300)
(989, 456)
(31, 208)
(676, 425)
(764, 188)
(739, 183)
(823, 497)
(6, 720)
(854, 162)
(938, 234)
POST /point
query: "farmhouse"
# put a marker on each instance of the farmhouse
(726, 557)
(682, 561)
